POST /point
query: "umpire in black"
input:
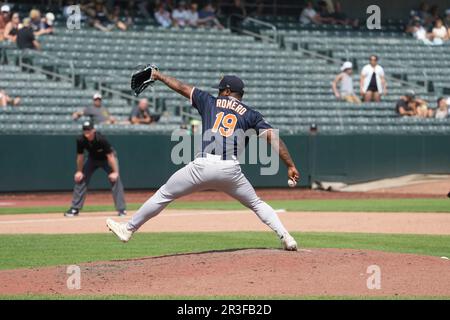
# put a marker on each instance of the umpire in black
(101, 155)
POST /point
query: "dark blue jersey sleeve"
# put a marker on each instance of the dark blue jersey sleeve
(259, 123)
(202, 100)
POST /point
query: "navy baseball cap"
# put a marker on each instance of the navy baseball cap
(88, 125)
(233, 83)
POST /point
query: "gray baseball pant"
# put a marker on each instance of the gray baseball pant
(207, 174)
(80, 189)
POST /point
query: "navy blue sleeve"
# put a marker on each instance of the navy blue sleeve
(201, 100)
(259, 123)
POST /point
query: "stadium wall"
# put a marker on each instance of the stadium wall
(47, 162)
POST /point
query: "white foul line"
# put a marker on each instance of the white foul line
(80, 219)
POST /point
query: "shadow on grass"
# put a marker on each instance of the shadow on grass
(197, 253)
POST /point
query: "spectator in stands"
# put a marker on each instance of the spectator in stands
(163, 17)
(38, 25)
(12, 28)
(405, 106)
(48, 22)
(345, 81)
(442, 109)
(96, 112)
(25, 37)
(330, 6)
(372, 81)
(5, 17)
(309, 15)
(122, 21)
(325, 14)
(207, 17)
(341, 18)
(439, 35)
(192, 15)
(100, 19)
(411, 105)
(6, 100)
(417, 30)
(141, 115)
(423, 111)
(180, 15)
(236, 8)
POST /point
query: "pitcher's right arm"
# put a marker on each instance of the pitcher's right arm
(283, 152)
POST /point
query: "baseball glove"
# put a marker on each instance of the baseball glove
(142, 78)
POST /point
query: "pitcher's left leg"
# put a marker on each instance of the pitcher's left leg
(244, 192)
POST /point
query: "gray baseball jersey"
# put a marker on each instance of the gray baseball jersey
(218, 168)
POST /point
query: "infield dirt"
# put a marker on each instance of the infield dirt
(239, 220)
(253, 272)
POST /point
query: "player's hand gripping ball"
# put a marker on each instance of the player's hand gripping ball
(292, 183)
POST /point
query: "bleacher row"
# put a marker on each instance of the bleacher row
(399, 54)
(291, 89)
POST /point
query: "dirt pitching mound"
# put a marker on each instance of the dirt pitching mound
(254, 272)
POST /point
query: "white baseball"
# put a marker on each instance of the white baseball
(291, 183)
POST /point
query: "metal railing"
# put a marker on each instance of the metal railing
(189, 115)
(239, 23)
(33, 53)
(25, 64)
(71, 77)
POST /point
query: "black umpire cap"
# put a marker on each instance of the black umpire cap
(88, 125)
(233, 83)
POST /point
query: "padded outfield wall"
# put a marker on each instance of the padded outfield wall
(47, 162)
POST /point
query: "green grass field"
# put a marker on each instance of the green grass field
(28, 250)
(22, 251)
(341, 205)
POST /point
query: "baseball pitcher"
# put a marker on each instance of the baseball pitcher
(225, 119)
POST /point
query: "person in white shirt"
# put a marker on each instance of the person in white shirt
(180, 15)
(163, 16)
(418, 31)
(372, 81)
(439, 34)
(309, 15)
(442, 109)
(192, 15)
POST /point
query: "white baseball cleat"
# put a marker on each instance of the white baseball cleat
(289, 243)
(119, 229)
